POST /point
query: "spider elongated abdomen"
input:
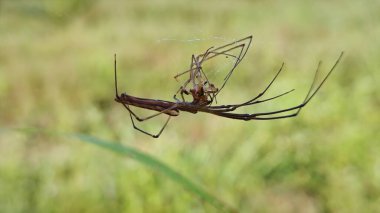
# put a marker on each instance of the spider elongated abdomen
(156, 105)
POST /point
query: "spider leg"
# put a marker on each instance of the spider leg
(258, 116)
(234, 45)
(151, 116)
(298, 107)
(249, 38)
(147, 133)
(266, 88)
(261, 116)
(204, 74)
(191, 68)
(254, 100)
(181, 91)
(255, 116)
(243, 51)
(204, 55)
(132, 114)
(182, 88)
(238, 60)
(229, 108)
(236, 63)
(182, 73)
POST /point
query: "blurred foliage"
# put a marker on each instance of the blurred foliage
(56, 63)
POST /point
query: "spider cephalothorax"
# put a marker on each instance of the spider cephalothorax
(199, 95)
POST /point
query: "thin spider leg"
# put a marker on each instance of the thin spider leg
(268, 99)
(236, 43)
(204, 74)
(182, 73)
(197, 63)
(206, 57)
(187, 81)
(226, 54)
(243, 52)
(324, 80)
(236, 64)
(269, 85)
(147, 133)
(215, 53)
(229, 108)
(151, 116)
(258, 96)
(255, 116)
(189, 70)
(248, 117)
(258, 116)
(308, 96)
(238, 60)
(306, 100)
(193, 77)
(230, 72)
(182, 96)
(180, 90)
(249, 38)
(132, 114)
(312, 85)
(130, 111)
(116, 92)
(213, 97)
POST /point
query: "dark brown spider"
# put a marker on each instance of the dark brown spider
(204, 92)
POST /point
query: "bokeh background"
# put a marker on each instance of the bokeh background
(56, 75)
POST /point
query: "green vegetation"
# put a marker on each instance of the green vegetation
(56, 75)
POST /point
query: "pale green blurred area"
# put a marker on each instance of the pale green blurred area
(56, 73)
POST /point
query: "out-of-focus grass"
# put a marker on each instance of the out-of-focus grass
(56, 73)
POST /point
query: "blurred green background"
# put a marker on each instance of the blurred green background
(56, 75)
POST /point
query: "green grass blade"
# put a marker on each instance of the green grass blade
(157, 165)
(139, 156)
